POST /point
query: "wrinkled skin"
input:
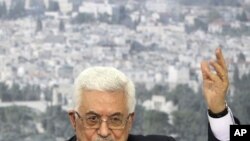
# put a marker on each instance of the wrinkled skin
(215, 84)
(105, 104)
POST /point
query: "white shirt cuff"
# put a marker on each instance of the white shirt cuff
(221, 126)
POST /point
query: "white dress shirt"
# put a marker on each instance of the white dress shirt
(221, 126)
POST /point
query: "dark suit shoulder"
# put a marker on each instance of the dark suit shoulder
(150, 138)
(142, 138)
(72, 138)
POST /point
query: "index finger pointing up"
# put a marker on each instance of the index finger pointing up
(220, 59)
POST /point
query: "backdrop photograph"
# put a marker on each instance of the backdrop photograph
(158, 44)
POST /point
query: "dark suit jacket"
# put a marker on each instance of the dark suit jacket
(142, 138)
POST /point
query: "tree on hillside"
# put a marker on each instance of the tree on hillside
(213, 15)
(60, 127)
(190, 125)
(17, 9)
(3, 91)
(241, 98)
(61, 26)
(242, 17)
(17, 122)
(3, 9)
(83, 18)
(39, 25)
(142, 93)
(25, 93)
(236, 77)
(53, 6)
(241, 57)
(139, 120)
(191, 113)
(156, 122)
(183, 96)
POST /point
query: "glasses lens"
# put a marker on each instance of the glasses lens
(92, 121)
(116, 122)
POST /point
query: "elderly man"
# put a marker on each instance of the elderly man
(105, 102)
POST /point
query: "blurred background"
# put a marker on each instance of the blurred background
(159, 44)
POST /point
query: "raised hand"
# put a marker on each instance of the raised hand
(215, 84)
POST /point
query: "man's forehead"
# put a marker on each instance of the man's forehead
(97, 94)
(103, 101)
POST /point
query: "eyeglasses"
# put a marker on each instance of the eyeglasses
(93, 121)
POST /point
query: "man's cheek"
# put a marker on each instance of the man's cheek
(91, 135)
(87, 135)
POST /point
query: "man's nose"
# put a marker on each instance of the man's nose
(104, 130)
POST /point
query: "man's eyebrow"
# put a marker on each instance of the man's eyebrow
(117, 114)
(93, 113)
(114, 114)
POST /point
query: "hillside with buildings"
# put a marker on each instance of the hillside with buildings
(45, 44)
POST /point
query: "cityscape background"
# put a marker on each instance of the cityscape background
(159, 44)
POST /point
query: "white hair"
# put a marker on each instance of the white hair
(105, 79)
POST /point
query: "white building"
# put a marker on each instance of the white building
(161, 6)
(190, 19)
(46, 3)
(178, 75)
(37, 105)
(65, 6)
(215, 27)
(247, 1)
(159, 103)
(173, 74)
(62, 95)
(96, 8)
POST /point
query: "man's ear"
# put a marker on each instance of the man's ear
(131, 121)
(72, 118)
(132, 117)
